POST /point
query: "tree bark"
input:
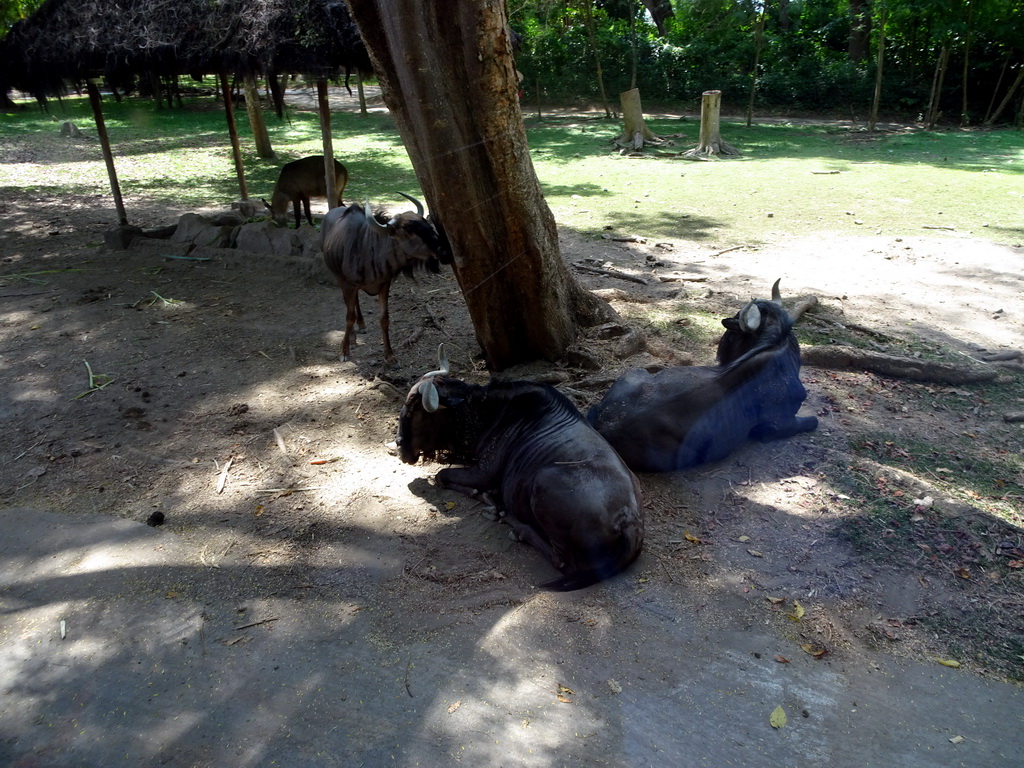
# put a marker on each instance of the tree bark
(635, 133)
(758, 47)
(710, 142)
(1007, 99)
(661, 11)
(255, 110)
(965, 117)
(324, 108)
(937, 82)
(448, 78)
(588, 19)
(236, 150)
(879, 64)
(860, 30)
(108, 157)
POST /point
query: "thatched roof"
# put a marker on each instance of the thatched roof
(76, 39)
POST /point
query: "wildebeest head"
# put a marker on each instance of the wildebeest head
(760, 323)
(430, 422)
(415, 237)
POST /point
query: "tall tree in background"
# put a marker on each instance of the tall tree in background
(588, 21)
(860, 29)
(254, 108)
(661, 11)
(448, 77)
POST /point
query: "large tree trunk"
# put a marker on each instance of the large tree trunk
(710, 143)
(259, 126)
(635, 133)
(661, 11)
(860, 30)
(447, 75)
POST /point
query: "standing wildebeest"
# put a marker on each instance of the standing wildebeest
(557, 483)
(690, 415)
(300, 180)
(367, 253)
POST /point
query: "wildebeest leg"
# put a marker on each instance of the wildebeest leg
(298, 215)
(305, 205)
(352, 315)
(777, 430)
(385, 323)
(529, 534)
(470, 481)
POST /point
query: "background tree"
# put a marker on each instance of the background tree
(448, 77)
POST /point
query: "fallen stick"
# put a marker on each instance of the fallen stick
(609, 273)
(727, 250)
(224, 474)
(681, 279)
(256, 623)
(286, 490)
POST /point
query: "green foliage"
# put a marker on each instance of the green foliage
(805, 62)
(12, 11)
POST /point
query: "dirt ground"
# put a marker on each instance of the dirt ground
(210, 394)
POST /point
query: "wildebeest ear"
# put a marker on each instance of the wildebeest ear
(428, 394)
(731, 323)
(750, 318)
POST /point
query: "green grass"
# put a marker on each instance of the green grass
(182, 157)
(808, 178)
(789, 179)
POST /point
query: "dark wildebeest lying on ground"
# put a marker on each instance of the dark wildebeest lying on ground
(300, 180)
(366, 251)
(690, 415)
(555, 481)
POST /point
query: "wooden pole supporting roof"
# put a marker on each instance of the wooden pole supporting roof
(68, 40)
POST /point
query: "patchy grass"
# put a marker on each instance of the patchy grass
(790, 178)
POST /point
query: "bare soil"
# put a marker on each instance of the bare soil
(210, 395)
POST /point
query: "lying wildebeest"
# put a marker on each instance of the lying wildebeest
(366, 253)
(555, 481)
(681, 417)
(300, 180)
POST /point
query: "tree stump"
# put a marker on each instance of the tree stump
(635, 133)
(260, 134)
(710, 143)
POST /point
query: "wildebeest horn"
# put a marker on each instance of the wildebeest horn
(442, 363)
(414, 201)
(372, 220)
(427, 388)
(776, 296)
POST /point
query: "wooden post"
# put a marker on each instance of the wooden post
(108, 157)
(229, 111)
(325, 133)
(362, 93)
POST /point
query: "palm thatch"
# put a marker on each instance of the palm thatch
(78, 39)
